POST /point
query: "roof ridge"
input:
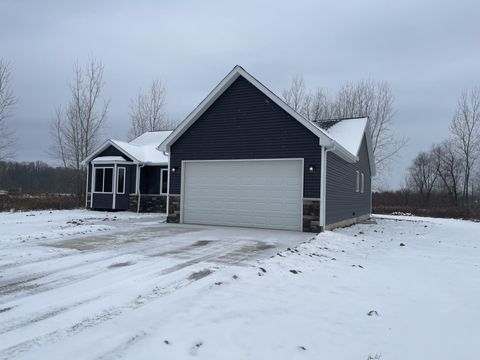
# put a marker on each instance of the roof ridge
(340, 118)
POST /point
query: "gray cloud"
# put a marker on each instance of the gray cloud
(427, 50)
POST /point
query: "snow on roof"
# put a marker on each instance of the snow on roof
(144, 147)
(346, 132)
(151, 138)
(108, 159)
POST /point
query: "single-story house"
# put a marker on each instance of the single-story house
(128, 175)
(243, 157)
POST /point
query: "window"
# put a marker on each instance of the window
(362, 185)
(357, 189)
(121, 180)
(163, 181)
(103, 180)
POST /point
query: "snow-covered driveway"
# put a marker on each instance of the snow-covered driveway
(62, 272)
(86, 285)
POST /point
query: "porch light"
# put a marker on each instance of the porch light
(174, 169)
(311, 169)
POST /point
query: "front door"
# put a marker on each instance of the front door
(121, 190)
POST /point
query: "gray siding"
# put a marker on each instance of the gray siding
(343, 202)
(244, 124)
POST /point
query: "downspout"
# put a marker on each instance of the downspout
(323, 184)
(139, 167)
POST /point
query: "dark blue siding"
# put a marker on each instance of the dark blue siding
(150, 179)
(113, 151)
(102, 201)
(343, 202)
(243, 123)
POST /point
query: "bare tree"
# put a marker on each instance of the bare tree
(465, 127)
(76, 129)
(362, 99)
(147, 111)
(375, 101)
(449, 168)
(7, 103)
(422, 175)
(296, 94)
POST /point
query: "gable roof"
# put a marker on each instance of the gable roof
(325, 138)
(220, 89)
(142, 149)
(349, 132)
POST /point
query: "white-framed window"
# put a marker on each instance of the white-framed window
(103, 180)
(121, 180)
(357, 187)
(362, 185)
(163, 181)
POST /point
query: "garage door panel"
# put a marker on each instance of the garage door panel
(265, 194)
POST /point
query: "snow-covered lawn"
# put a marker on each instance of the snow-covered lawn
(90, 285)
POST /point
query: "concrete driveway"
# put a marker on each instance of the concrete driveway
(53, 289)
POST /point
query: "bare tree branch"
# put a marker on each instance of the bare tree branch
(76, 129)
(147, 111)
(422, 175)
(361, 99)
(465, 127)
(7, 104)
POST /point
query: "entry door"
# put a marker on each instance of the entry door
(261, 194)
(121, 191)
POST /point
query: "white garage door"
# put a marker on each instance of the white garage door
(263, 194)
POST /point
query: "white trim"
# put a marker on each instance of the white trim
(357, 186)
(168, 186)
(124, 179)
(371, 156)
(137, 180)
(323, 185)
(182, 181)
(106, 144)
(302, 168)
(92, 187)
(139, 195)
(95, 168)
(86, 189)
(229, 160)
(161, 180)
(182, 188)
(114, 187)
(362, 182)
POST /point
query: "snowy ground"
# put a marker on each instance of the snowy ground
(90, 285)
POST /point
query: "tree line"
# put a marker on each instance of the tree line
(37, 178)
(450, 171)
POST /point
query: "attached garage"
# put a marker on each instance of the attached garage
(245, 158)
(250, 193)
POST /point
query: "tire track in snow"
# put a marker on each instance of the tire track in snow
(29, 287)
(109, 314)
(16, 324)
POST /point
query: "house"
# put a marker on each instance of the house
(128, 175)
(243, 157)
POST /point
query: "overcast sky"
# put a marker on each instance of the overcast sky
(429, 51)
